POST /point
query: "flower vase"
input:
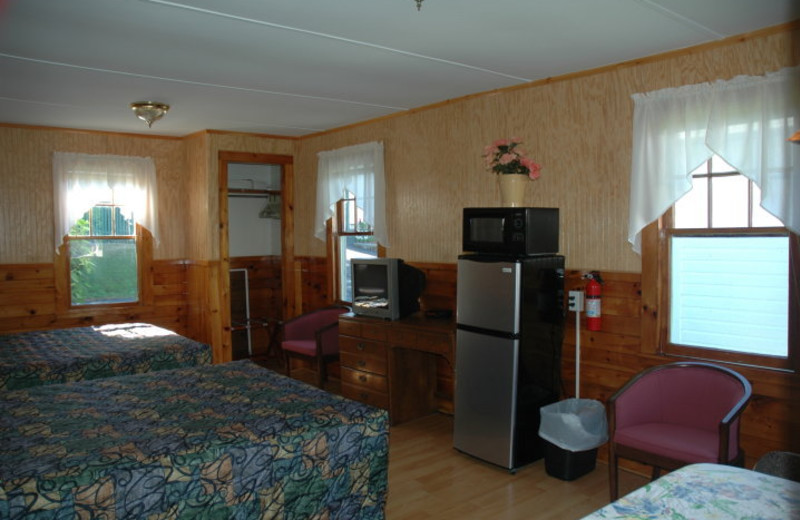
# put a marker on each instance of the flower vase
(512, 189)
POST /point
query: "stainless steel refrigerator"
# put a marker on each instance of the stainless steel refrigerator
(510, 316)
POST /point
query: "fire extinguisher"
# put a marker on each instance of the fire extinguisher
(594, 290)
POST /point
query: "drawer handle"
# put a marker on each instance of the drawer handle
(364, 395)
(362, 363)
(363, 379)
(360, 346)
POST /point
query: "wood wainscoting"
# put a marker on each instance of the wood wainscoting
(185, 302)
(611, 356)
(265, 299)
(28, 300)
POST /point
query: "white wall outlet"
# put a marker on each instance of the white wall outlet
(576, 301)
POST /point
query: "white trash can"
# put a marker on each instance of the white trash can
(572, 429)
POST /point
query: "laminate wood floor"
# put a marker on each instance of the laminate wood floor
(428, 478)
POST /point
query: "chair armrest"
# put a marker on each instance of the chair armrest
(304, 325)
(328, 336)
(732, 416)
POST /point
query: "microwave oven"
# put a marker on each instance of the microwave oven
(514, 231)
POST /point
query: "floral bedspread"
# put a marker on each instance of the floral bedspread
(709, 491)
(58, 356)
(233, 440)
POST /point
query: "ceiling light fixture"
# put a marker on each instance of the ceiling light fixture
(419, 4)
(149, 111)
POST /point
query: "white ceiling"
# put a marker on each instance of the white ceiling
(297, 67)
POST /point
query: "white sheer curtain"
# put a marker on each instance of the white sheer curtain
(746, 121)
(80, 181)
(359, 170)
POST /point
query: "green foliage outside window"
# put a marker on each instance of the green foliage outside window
(103, 270)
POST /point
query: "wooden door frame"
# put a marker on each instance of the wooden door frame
(287, 234)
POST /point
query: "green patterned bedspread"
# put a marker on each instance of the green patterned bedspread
(233, 440)
(58, 356)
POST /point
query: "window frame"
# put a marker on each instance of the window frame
(144, 261)
(69, 239)
(656, 269)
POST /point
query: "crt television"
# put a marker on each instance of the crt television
(386, 288)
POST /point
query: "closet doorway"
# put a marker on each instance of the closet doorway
(256, 251)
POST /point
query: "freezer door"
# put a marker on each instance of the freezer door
(488, 295)
(486, 400)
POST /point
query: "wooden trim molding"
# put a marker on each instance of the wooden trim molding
(653, 327)
(287, 236)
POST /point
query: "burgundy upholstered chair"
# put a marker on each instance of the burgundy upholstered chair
(676, 414)
(314, 336)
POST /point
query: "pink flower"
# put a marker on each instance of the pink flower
(506, 156)
(534, 170)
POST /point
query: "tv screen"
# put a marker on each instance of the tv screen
(372, 289)
(386, 288)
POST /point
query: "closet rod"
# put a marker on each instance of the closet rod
(253, 193)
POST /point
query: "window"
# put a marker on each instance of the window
(350, 213)
(728, 273)
(99, 200)
(102, 255)
(351, 237)
(718, 223)
(355, 170)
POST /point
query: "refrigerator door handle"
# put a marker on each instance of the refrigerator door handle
(487, 332)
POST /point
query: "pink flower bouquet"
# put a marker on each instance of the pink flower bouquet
(504, 157)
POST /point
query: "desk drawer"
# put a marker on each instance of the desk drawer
(364, 329)
(374, 330)
(349, 327)
(362, 347)
(364, 379)
(362, 361)
(366, 395)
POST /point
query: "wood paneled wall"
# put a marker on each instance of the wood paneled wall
(439, 293)
(611, 356)
(266, 297)
(28, 300)
(186, 171)
(577, 126)
(311, 284)
(26, 187)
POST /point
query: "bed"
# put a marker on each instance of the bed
(45, 357)
(232, 440)
(709, 491)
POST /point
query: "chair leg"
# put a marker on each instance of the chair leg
(613, 474)
(656, 473)
(288, 360)
(320, 372)
(739, 460)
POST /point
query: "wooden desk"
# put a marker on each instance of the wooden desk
(392, 364)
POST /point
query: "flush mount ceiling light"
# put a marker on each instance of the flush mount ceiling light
(149, 111)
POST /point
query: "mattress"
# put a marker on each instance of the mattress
(709, 491)
(62, 355)
(233, 440)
